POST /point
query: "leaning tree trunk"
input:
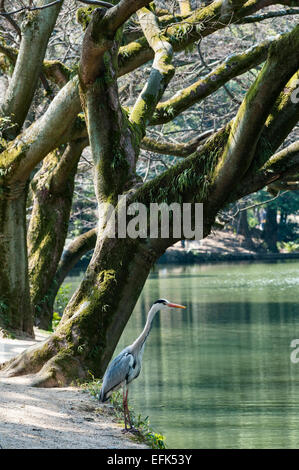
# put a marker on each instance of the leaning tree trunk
(70, 256)
(53, 188)
(15, 306)
(244, 229)
(95, 317)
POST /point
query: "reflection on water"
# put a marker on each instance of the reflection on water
(218, 374)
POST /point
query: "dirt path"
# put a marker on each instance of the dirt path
(56, 418)
(221, 241)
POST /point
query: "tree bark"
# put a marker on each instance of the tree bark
(15, 306)
(244, 229)
(17, 161)
(71, 255)
(270, 229)
(36, 30)
(53, 188)
(185, 7)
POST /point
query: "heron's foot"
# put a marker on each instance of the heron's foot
(125, 430)
(131, 429)
(134, 430)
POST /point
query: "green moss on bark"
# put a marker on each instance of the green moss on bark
(15, 311)
(53, 189)
(83, 16)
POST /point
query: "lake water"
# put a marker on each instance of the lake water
(219, 374)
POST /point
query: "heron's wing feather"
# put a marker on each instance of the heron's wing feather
(117, 372)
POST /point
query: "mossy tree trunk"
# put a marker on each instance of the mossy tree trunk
(17, 159)
(20, 152)
(244, 229)
(70, 256)
(36, 29)
(270, 232)
(15, 306)
(53, 188)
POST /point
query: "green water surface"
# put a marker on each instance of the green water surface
(219, 374)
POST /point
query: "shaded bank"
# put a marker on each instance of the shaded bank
(182, 257)
(177, 256)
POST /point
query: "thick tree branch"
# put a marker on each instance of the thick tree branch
(44, 135)
(10, 53)
(235, 65)
(285, 162)
(161, 73)
(122, 11)
(268, 15)
(66, 164)
(280, 122)
(70, 256)
(282, 185)
(30, 8)
(281, 166)
(112, 141)
(73, 253)
(201, 23)
(177, 150)
(282, 62)
(52, 188)
(100, 34)
(35, 35)
(98, 3)
(56, 72)
(185, 7)
(53, 70)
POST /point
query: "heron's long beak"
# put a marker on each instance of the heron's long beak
(175, 305)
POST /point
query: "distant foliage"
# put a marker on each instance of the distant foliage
(61, 301)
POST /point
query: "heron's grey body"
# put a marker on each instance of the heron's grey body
(122, 370)
(127, 365)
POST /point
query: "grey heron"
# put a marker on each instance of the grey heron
(127, 365)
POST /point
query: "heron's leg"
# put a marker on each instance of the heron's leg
(124, 407)
(131, 428)
(127, 408)
(127, 413)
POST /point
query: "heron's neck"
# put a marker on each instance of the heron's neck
(139, 342)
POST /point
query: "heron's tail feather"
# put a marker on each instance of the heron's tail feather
(103, 396)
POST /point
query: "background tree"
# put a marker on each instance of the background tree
(269, 216)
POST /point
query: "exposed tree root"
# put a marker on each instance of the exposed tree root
(56, 371)
(19, 334)
(50, 366)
